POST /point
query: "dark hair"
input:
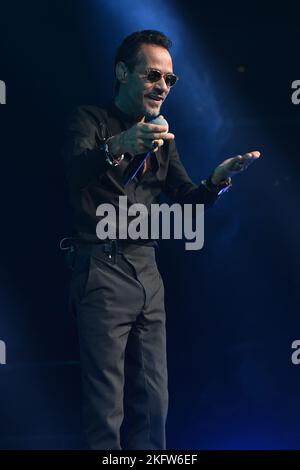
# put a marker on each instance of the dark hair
(127, 52)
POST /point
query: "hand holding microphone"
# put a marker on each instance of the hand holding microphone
(142, 137)
(157, 132)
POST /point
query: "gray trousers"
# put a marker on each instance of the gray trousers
(118, 297)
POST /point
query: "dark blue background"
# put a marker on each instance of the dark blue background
(233, 307)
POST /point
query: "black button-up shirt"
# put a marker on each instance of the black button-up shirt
(92, 181)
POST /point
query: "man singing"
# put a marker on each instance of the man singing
(116, 290)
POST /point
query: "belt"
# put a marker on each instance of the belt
(111, 247)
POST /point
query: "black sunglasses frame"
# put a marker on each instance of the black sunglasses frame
(167, 77)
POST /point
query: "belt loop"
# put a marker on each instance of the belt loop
(111, 248)
(114, 247)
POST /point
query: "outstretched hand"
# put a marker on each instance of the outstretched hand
(232, 166)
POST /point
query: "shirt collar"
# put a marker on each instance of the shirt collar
(126, 118)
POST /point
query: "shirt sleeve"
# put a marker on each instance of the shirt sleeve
(83, 157)
(179, 186)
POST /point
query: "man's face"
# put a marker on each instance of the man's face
(142, 97)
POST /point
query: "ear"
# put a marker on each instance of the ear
(121, 72)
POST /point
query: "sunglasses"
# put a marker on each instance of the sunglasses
(154, 75)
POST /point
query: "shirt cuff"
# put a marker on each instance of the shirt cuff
(218, 189)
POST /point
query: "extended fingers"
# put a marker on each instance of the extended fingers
(254, 154)
(241, 162)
